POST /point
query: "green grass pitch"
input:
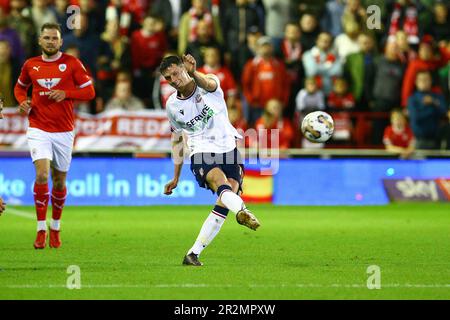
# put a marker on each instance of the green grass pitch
(298, 253)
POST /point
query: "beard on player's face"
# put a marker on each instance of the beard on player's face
(50, 51)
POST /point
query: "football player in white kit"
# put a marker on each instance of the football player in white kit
(198, 110)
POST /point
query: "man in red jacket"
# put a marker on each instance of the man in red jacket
(57, 79)
(264, 78)
(426, 61)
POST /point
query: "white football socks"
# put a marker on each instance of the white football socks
(209, 230)
(56, 225)
(41, 225)
(232, 201)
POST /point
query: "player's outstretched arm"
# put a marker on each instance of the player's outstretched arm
(203, 80)
(177, 156)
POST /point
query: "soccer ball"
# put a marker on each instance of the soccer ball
(318, 126)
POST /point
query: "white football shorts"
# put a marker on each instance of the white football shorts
(55, 146)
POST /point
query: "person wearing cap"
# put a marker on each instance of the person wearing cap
(264, 78)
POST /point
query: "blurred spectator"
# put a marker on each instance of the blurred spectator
(340, 98)
(444, 72)
(86, 42)
(126, 14)
(124, 99)
(405, 52)
(272, 119)
(237, 119)
(347, 43)
(300, 7)
(9, 73)
(148, 46)
(425, 61)
(310, 30)
(204, 39)
(258, 7)
(331, 21)
(354, 12)
(40, 12)
(277, 16)
(170, 11)
(445, 134)
(189, 21)
(322, 63)
(113, 55)
(5, 6)
(245, 52)
(291, 51)
(239, 18)
(340, 101)
(62, 15)
(227, 82)
(360, 69)
(264, 78)
(10, 35)
(387, 88)
(96, 14)
(24, 27)
(439, 27)
(426, 109)
(404, 16)
(310, 98)
(398, 137)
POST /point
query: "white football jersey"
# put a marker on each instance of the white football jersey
(203, 117)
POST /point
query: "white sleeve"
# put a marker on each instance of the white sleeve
(217, 80)
(174, 125)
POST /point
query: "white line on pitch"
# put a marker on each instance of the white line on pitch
(19, 213)
(203, 285)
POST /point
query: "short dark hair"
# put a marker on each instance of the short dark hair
(168, 61)
(51, 25)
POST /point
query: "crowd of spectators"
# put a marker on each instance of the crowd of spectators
(277, 59)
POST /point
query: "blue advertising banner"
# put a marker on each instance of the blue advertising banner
(347, 181)
(119, 181)
(97, 181)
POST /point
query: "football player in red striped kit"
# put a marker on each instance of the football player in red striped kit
(57, 80)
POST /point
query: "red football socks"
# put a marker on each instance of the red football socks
(41, 197)
(58, 199)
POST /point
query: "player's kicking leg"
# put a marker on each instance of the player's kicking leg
(230, 199)
(41, 198)
(216, 218)
(59, 193)
(209, 230)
